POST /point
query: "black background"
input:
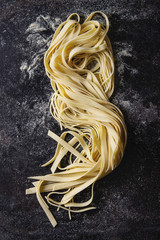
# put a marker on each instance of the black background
(127, 199)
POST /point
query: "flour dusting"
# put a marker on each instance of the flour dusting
(36, 115)
(138, 113)
(123, 50)
(129, 100)
(39, 35)
(42, 23)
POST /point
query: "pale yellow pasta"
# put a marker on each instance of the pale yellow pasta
(80, 65)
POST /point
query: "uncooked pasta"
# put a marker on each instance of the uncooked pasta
(80, 66)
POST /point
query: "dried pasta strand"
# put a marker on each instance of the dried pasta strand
(80, 66)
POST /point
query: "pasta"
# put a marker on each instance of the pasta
(80, 66)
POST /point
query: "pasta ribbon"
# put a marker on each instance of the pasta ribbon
(80, 66)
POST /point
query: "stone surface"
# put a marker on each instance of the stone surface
(127, 199)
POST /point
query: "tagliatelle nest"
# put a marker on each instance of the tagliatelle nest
(80, 65)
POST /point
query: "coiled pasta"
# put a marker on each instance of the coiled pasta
(80, 65)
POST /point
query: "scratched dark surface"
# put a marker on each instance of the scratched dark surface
(127, 199)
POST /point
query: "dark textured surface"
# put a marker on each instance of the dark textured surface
(127, 199)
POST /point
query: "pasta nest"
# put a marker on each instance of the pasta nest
(80, 66)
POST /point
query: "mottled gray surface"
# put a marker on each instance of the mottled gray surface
(127, 199)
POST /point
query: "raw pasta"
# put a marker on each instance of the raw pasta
(80, 65)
